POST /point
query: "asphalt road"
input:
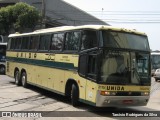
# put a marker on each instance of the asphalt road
(25, 101)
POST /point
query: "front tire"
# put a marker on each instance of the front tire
(74, 95)
(24, 79)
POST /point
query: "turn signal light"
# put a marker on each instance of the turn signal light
(144, 93)
(106, 93)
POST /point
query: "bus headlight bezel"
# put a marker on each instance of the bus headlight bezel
(107, 93)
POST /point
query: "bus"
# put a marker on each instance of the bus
(3, 47)
(155, 62)
(82, 63)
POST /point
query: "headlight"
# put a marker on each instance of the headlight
(106, 93)
(144, 93)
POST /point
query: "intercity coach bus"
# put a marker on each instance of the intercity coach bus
(95, 64)
(155, 64)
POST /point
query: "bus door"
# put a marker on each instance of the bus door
(88, 68)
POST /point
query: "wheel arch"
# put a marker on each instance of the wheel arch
(68, 86)
(15, 69)
(2, 65)
(23, 70)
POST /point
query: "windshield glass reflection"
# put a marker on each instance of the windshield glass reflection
(120, 67)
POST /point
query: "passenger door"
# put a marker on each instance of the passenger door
(88, 68)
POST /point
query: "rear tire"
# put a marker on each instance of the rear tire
(74, 95)
(2, 69)
(24, 79)
(17, 78)
(156, 79)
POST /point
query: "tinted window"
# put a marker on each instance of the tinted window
(82, 65)
(34, 42)
(155, 61)
(2, 49)
(17, 43)
(72, 40)
(92, 67)
(45, 42)
(89, 39)
(12, 42)
(57, 41)
(25, 43)
(9, 44)
(125, 40)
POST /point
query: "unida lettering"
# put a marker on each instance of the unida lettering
(118, 88)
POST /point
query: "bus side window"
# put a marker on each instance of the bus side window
(12, 43)
(18, 43)
(89, 39)
(72, 41)
(34, 42)
(44, 42)
(88, 66)
(25, 43)
(82, 64)
(92, 67)
(9, 44)
(57, 41)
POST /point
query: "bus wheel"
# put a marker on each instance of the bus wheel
(24, 79)
(17, 79)
(74, 95)
(2, 69)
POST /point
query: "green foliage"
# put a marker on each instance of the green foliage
(18, 17)
(4, 21)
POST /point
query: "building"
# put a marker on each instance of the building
(4, 3)
(58, 13)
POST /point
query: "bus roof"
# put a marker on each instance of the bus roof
(66, 28)
(3, 43)
(155, 53)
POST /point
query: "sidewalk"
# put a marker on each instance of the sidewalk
(154, 102)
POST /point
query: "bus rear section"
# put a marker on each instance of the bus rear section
(2, 57)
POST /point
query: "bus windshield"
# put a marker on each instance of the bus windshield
(116, 39)
(119, 67)
(155, 58)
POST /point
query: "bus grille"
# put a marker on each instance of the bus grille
(128, 94)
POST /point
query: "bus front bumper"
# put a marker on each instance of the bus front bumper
(121, 101)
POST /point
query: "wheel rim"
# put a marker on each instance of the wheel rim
(16, 78)
(72, 92)
(23, 79)
(71, 95)
(2, 69)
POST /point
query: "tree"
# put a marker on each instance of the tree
(26, 16)
(5, 20)
(18, 17)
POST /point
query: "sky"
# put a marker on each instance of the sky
(142, 15)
